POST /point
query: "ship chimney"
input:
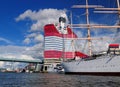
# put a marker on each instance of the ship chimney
(62, 22)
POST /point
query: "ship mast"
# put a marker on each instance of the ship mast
(111, 11)
(118, 4)
(87, 25)
(89, 35)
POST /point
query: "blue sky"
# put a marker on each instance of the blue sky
(15, 31)
(10, 9)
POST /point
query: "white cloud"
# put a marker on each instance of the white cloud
(12, 52)
(20, 52)
(42, 17)
(78, 33)
(39, 38)
(32, 35)
(11, 49)
(27, 41)
(1, 63)
(26, 14)
(34, 38)
(35, 51)
(6, 40)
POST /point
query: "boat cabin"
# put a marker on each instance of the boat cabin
(114, 49)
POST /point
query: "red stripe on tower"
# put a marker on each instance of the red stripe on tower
(53, 42)
(50, 30)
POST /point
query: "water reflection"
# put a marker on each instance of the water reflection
(56, 80)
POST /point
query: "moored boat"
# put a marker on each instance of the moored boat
(105, 63)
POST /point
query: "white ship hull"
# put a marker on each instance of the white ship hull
(104, 65)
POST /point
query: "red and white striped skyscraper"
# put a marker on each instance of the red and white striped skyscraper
(58, 40)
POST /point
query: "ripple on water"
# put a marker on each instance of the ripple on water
(56, 80)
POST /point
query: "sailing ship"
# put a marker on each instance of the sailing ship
(105, 63)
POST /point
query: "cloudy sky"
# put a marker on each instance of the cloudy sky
(22, 22)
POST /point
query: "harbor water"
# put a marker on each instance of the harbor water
(56, 80)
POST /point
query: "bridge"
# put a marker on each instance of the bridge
(37, 62)
(21, 60)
